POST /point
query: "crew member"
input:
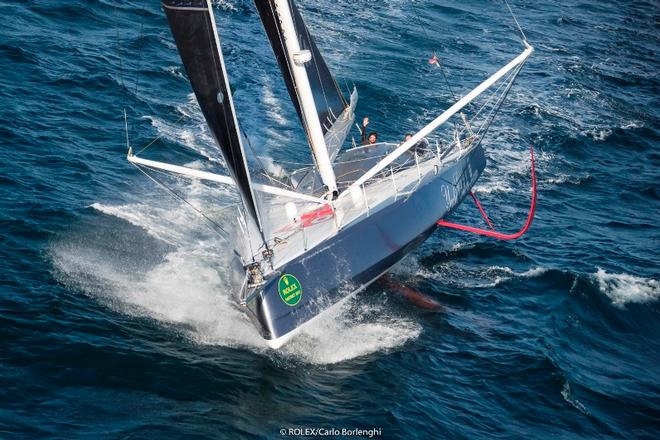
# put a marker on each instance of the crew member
(373, 136)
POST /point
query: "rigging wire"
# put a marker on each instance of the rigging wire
(495, 93)
(124, 89)
(416, 15)
(258, 158)
(215, 226)
(157, 138)
(524, 37)
(496, 110)
(139, 65)
(121, 61)
(435, 58)
(509, 81)
(253, 150)
(222, 233)
(442, 70)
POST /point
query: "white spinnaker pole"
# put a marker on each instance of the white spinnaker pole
(297, 60)
(421, 134)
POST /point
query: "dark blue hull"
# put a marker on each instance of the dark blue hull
(361, 252)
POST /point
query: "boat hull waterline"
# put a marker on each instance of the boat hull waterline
(359, 254)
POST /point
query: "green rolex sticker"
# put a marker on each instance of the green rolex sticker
(290, 289)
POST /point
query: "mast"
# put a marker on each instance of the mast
(296, 58)
(193, 26)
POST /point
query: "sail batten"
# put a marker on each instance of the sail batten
(193, 26)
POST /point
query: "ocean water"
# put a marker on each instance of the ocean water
(117, 317)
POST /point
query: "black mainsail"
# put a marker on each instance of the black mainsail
(193, 26)
(329, 100)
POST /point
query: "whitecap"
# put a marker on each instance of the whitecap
(175, 71)
(227, 5)
(504, 274)
(533, 272)
(599, 134)
(632, 125)
(625, 288)
(493, 187)
(567, 178)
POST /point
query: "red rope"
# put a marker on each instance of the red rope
(495, 234)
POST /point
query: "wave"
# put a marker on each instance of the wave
(571, 179)
(464, 276)
(623, 288)
(175, 71)
(504, 274)
(603, 133)
(598, 134)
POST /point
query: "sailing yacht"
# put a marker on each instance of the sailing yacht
(343, 222)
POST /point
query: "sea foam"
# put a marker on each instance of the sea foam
(192, 289)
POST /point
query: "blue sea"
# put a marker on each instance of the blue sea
(117, 316)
